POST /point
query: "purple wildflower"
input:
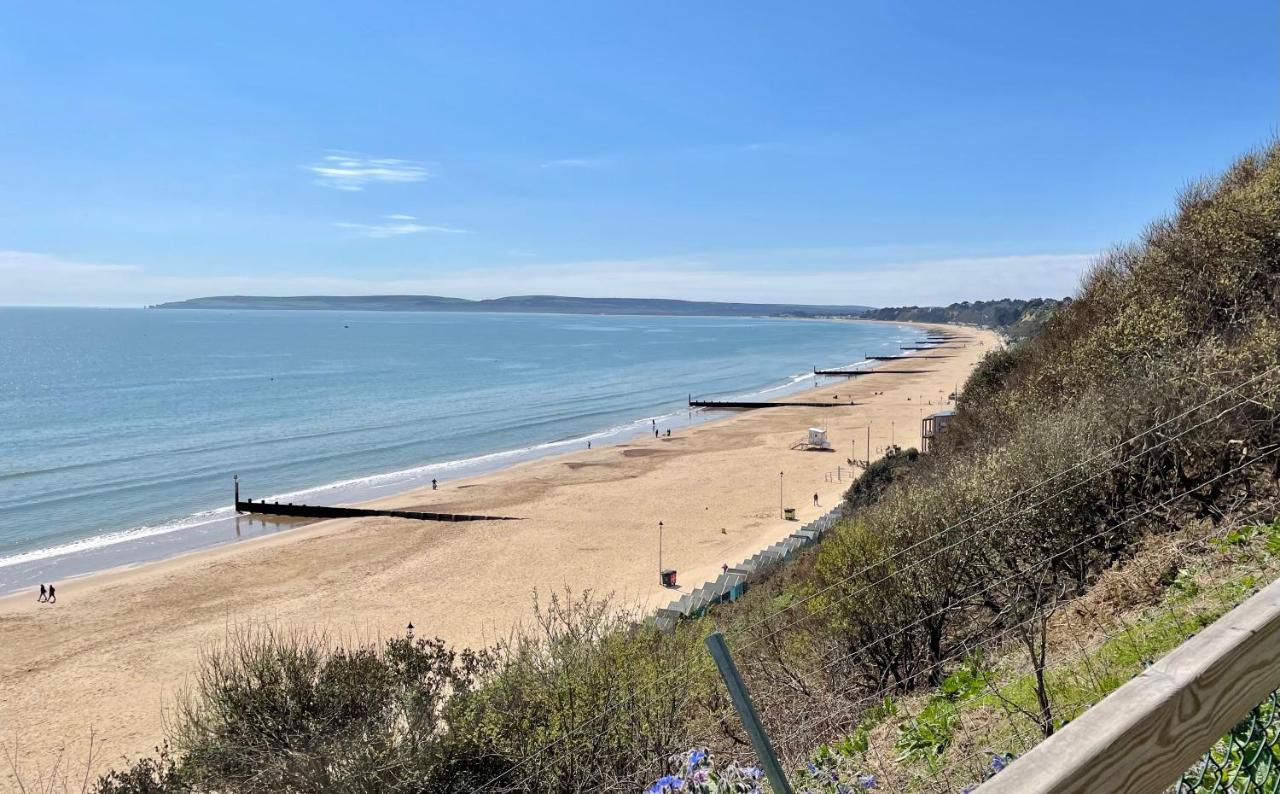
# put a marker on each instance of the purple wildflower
(696, 757)
(665, 784)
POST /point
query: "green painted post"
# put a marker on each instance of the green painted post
(747, 712)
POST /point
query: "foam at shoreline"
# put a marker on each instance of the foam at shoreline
(347, 491)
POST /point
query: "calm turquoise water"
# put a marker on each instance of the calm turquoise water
(120, 429)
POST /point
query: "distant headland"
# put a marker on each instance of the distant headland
(517, 303)
(1016, 317)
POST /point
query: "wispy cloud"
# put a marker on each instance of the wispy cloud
(345, 171)
(689, 152)
(923, 282)
(398, 224)
(39, 279)
(29, 264)
(577, 162)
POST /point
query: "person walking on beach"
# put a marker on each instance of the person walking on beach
(433, 484)
(44, 594)
(53, 598)
(815, 500)
(588, 445)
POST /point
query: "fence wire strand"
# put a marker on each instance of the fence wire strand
(684, 673)
(1224, 764)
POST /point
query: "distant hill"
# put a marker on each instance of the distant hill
(1016, 318)
(516, 303)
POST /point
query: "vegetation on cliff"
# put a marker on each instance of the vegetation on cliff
(1016, 318)
(1141, 417)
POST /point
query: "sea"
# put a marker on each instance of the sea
(121, 429)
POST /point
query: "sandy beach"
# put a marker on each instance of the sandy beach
(111, 655)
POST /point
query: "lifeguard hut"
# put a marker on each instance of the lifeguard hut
(932, 426)
(817, 439)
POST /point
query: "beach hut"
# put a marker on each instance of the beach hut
(666, 620)
(932, 426)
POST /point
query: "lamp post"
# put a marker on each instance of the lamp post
(660, 569)
(853, 447)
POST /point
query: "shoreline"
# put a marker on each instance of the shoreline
(70, 561)
(120, 645)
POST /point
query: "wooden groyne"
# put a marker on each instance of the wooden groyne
(263, 507)
(850, 373)
(748, 404)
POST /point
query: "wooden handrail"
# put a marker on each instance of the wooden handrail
(1141, 737)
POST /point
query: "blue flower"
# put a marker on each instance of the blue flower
(665, 784)
(998, 763)
(813, 769)
(696, 757)
(867, 782)
(752, 772)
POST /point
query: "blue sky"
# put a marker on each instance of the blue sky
(859, 152)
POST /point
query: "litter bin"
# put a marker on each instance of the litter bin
(789, 513)
(669, 578)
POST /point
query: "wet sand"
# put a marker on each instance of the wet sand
(118, 646)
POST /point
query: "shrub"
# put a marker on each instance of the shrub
(273, 709)
(591, 680)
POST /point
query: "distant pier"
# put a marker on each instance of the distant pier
(901, 358)
(850, 373)
(749, 404)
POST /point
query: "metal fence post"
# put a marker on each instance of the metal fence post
(747, 712)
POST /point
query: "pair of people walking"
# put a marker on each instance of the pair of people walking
(48, 595)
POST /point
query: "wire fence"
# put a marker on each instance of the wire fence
(837, 717)
(982, 719)
(1246, 759)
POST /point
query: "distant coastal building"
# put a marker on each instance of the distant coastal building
(932, 426)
